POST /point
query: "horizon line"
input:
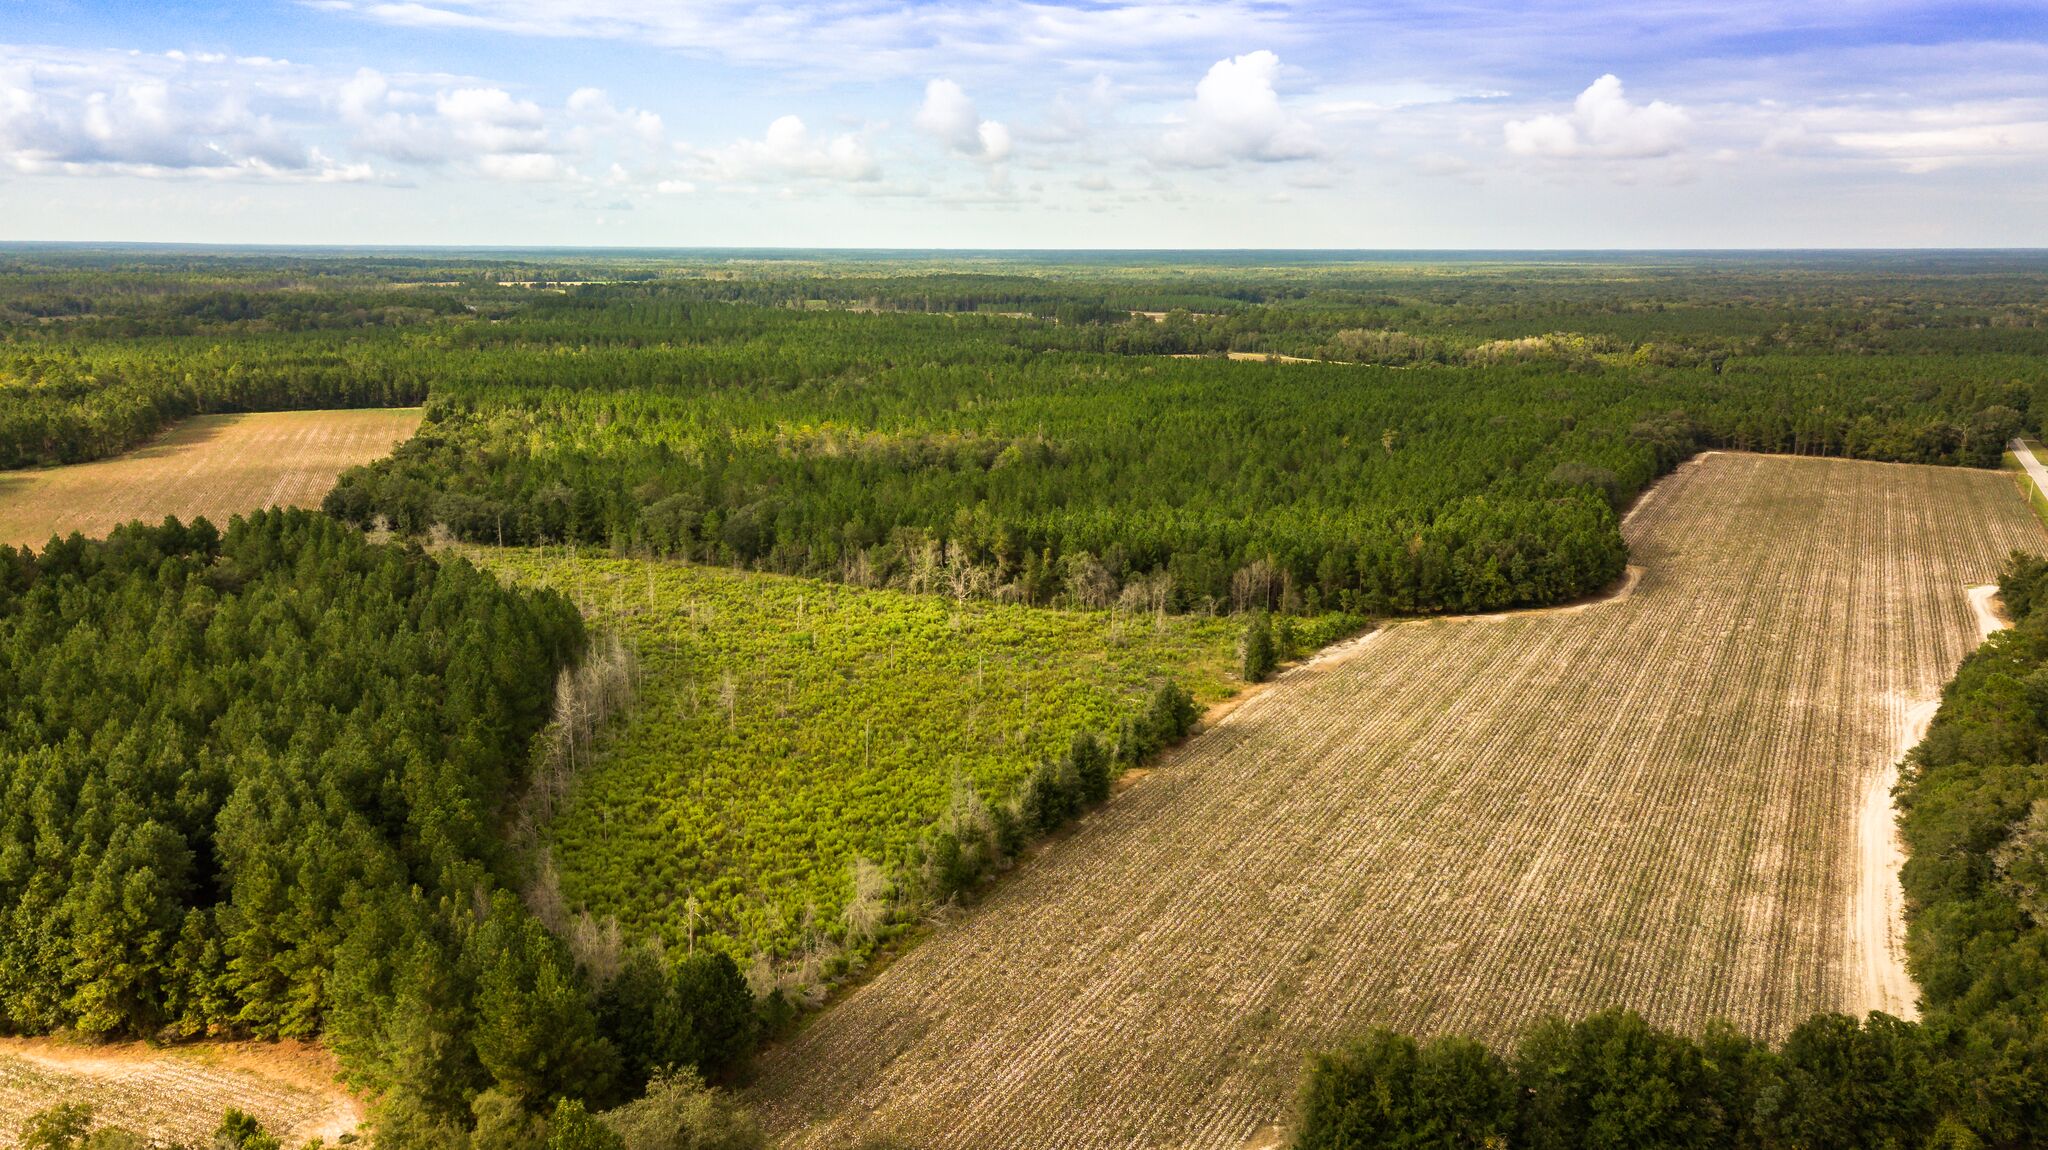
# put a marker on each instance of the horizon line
(884, 249)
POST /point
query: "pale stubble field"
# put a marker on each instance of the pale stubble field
(211, 465)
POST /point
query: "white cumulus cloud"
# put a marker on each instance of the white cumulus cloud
(995, 140)
(1237, 115)
(491, 121)
(592, 107)
(489, 130)
(1602, 123)
(949, 116)
(131, 114)
(790, 149)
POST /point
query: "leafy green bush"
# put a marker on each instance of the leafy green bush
(678, 1112)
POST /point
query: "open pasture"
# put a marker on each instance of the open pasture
(211, 465)
(1457, 825)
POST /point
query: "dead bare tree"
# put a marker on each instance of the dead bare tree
(868, 910)
(586, 697)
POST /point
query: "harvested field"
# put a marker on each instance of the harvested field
(211, 465)
(1463, 825)
(178, 1093)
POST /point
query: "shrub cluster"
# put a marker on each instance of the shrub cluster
(73, 1126)
(974, 839)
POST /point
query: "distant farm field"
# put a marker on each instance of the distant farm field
(211, 465)
(786, 727)
(1459, 825)
(178, 1093)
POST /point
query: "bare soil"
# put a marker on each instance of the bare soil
(179, 1092)
(1877, 917)
(1990, 614)
(1249, 357)
(211, 465)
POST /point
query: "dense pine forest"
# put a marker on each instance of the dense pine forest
(1465, 443)
(253, 783)
(266, 780)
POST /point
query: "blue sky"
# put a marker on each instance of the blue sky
(1005, 123)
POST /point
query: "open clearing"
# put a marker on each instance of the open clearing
(1248, 357)
(179, 1092)
(1466, 824)
(787, 726)
(211, 465)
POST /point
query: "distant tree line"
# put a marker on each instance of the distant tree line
(66, 405)
(1973, 1072)
(902, 450)
(253, 785)
(701, 415)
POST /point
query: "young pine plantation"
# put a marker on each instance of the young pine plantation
(797, 750)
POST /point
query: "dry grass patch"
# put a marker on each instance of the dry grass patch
(178, 1092)
(211, 465)
(1652, 801)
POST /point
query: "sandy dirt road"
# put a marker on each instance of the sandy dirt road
(1656, 802)
(1877, 917)
(211, 465)
(1877, 911)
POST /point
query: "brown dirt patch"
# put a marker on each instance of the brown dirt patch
(211, 465)
(178, 1092)
(1250, 357)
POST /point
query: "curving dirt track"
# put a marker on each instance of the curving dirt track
(211, 465)
(1653, 801)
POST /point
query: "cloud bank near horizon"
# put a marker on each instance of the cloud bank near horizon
(1035, 124)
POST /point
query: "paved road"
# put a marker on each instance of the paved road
(2038, 473)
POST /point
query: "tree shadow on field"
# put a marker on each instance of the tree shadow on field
(16, 492)
(198, 431)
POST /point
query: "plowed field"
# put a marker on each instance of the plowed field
(1458, 825)
(211, 465)
(178, 1093)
